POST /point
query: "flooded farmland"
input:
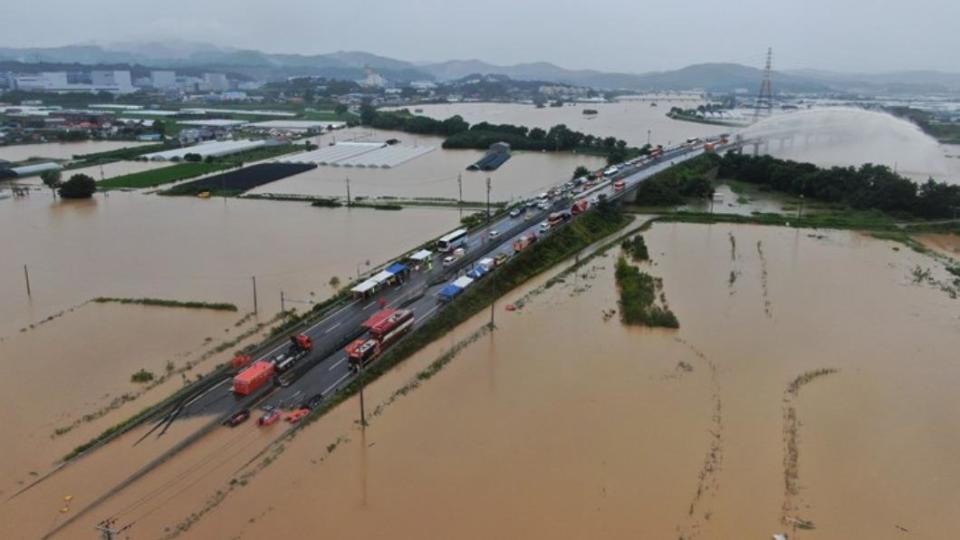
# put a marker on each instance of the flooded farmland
(65, 357)
(788, 396)
(433, 175)
(66, 150)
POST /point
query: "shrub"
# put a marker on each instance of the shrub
(79, 186)
(142, 376)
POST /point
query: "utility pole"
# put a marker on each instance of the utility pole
(26, 275)
(363, 382)
(106, 529)
(283, 308)
(254, 278)
(348, 192)
(488, 200)
(493, 309)
(648, 137)
(460, 186)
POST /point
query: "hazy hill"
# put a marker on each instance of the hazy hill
(716, 77)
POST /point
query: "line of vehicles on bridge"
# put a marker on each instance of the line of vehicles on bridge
(388, 326)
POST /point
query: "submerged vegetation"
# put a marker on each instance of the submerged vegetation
(869, 187)
(636, 247)
(638, 298)
(142, 376)
(217, 306)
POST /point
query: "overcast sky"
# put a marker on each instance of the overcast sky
(615, 35)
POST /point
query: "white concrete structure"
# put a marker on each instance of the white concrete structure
(386, 157)
(216, 82)
(328, 155)
(361, 154)
(298, 125)
(213, 122)
(163, 80)
(215, 149)
(252, 112)
(119, 79)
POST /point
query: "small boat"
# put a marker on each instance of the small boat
(204, 195)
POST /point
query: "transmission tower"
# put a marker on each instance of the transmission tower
(764, 104)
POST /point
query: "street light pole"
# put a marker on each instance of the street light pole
(488, 200)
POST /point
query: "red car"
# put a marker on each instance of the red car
(269, 417)
(297, 415)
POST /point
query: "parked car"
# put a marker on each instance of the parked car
(500, 258)
(544, 205)
(544, 226)
(516, 212)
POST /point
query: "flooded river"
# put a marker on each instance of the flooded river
(66, 150)
(789, 395)
(629, 120)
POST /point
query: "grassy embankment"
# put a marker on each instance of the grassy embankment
(120, 154)
(160, 302)
(185, 171)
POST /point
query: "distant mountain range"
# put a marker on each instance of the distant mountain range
(714, 77)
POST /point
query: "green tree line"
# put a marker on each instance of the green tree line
(459, 133)
(868, 187)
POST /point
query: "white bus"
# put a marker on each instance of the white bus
(452, 241)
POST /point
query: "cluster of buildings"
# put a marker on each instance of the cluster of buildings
(36, 123)
(122, 82)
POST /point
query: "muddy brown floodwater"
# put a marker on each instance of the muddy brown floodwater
(18, 152)
(627, 119)
(811, 381)
(433, 174)
(63, 358)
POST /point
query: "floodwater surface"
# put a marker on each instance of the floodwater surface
(433, 175)
(812, 381)
(631, 120)
(61, 150)
(64, 357)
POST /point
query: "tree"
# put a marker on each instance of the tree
(340, 109)
(335, 282)
(580, 171)
(51, 179)
(160, 127)
(79, 186)
(193, 157)
(367, 113)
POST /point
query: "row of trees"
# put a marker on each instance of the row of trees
(79, 186)
(460, 134)
(869, 187)
(678, 183)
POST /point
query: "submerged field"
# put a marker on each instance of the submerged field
(787, 401)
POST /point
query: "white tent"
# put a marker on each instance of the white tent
(381, 277)
(421, 255)
(364, 287)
